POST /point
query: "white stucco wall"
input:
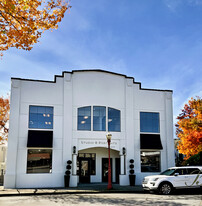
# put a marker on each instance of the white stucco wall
(66, 95)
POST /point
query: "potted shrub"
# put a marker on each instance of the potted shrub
(132, 176)
(67, 173)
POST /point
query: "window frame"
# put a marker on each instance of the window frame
(108, 119)
(105, 119)
(39, 128)
(147, 151)
(90, 159)
(33, 148)
(153, 132)
(90, 117)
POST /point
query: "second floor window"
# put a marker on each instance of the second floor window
(100, 122)
(149, 122)
(84, 118)
(99, 118)
(41, 117)
(114, 122)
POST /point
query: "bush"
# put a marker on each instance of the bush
(194, 160)
(132, 172)
(131, 166)
(68, 167)
(67, 172)
(69, 162)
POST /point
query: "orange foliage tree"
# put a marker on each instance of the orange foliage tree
(23, 21)
(189, 128)
(4, 118)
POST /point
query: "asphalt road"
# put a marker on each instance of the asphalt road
(103, 200)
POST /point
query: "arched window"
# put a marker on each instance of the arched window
(84, 118)
(114, 123)
(99, 118)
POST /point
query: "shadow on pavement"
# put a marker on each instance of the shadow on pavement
(106, 200)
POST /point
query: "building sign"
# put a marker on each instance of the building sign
(84, 144)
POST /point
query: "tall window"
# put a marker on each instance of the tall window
(150, 161)
(149, 122)
(39, 161)
(84, 118)
(99, 118)
(41, 117)
(114, 120)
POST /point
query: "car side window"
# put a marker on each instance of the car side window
(181, 171)
(192, 171)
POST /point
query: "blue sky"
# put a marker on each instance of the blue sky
(158, 42)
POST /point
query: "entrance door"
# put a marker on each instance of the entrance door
(84, 171)
(117, 166)
(105, 169)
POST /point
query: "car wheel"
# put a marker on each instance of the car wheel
(165, 188)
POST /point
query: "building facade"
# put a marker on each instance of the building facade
(52, 122)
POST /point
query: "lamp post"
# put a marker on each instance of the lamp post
(109, 136)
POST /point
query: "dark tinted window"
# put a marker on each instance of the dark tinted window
(39, 161)
(150, 161)
(181, 171)
(193, 171)
(168, 172)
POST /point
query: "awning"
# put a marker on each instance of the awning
(38, 138)
(150, 141)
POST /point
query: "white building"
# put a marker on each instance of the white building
(52, 122)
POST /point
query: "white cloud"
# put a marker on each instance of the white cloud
(195, 2)
(173, 5)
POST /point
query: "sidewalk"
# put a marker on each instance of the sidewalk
(82, 188)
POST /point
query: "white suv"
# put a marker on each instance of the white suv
(174, 178)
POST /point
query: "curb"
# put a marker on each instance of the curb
(18, 193)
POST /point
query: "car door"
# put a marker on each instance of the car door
(180, 179)
(194, 179)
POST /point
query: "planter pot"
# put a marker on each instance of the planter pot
(66, 178)
(132, 180)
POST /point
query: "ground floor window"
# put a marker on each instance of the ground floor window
(39, 161)
(150, 161)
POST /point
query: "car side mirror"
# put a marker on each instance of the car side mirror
(176, 174)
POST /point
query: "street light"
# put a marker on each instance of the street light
(109, 136)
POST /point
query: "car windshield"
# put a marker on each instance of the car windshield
(168, 172)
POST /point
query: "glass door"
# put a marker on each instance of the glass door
(84, 172)
(105, 169)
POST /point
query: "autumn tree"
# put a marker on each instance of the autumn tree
(23, 21)
(4, 118)
(189, 128)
